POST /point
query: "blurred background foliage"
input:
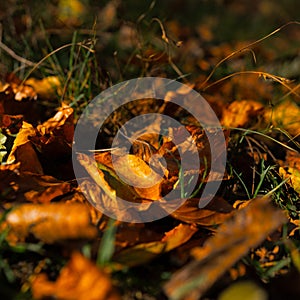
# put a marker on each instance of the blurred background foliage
(128, 36)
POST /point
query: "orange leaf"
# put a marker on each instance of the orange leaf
(216, 212)
(60, 125)
(80, 279)
(144, 252)
(50, 222)
(241, 113)
(46, 88)
(23, 151)
(285, 115)
(20, 186)
(178, 236)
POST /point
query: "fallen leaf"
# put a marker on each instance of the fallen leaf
(61, 124)
(290, 168)
(24, 152)
(178, 235)
(50, 223)
(11, 124)
(248, 227)
(215, 213)
(242, 113)
(25, 186)
(80, 279)
(145, 181)
(293, 175)
(144, 252)
(22, 91)
(285, 116)
(53, 139)
(46, 88)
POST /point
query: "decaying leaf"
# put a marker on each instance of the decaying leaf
(291, 169)
(242, 113)
(50, 222)
(131, 168)
(24, 152)
(46, 88)
(62, 124)
(144, 252)
(293, 175)
(249, 227)
(109, 184)
(25, 186)
(53, 140)
(285, 115)
(11, 124)
(215, 213)
(21, 91)
(80, 279)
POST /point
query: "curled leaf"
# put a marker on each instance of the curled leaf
(24, 152)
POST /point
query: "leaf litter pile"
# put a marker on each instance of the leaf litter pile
(54, 244)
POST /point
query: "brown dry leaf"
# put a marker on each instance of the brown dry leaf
(61, 124)
(78, 196)
(242, 113)
(294, 177)
(46, 88)
(215, 213)
(291, 169)
(80, 279)
(10, 106)
(178, 235)
(42, 189)
(53, 139)
(144, 252)
(285, 115)
(24, 186)
(107, 188)
(11, 124)
(23, 151)
(248, 227)
(50, 222)
(107, 181)
(22, 91)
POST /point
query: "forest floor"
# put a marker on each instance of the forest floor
(65, 232)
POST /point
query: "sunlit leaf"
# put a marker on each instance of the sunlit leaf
(215, 213)
(26, 186)
(50, 222)
(24, 152)
(144, 252)
(80, 279)
(241, 113)
(46, 88)
(285, 115)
